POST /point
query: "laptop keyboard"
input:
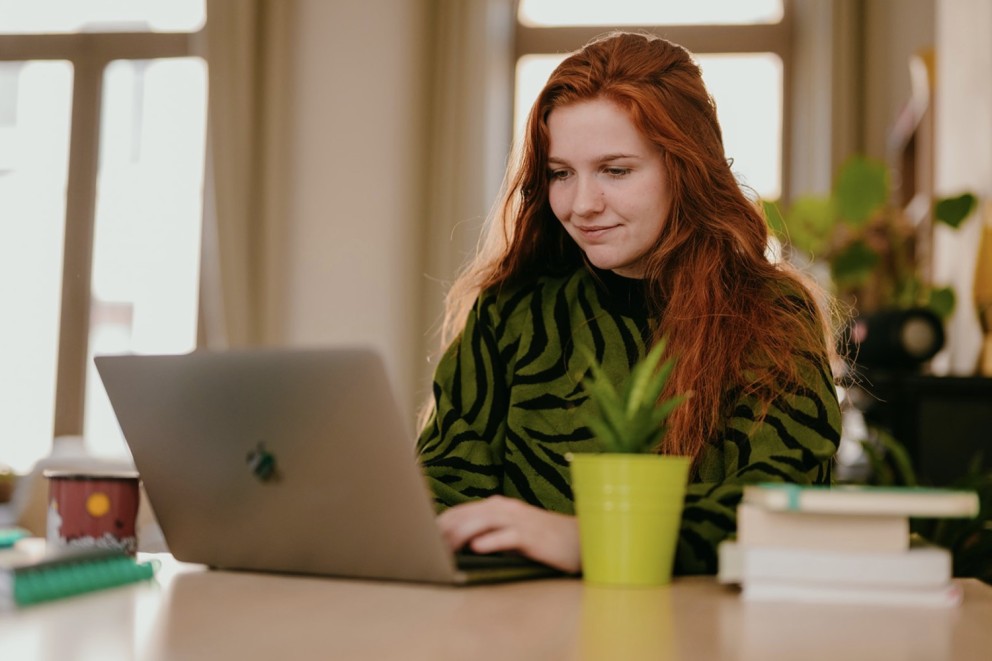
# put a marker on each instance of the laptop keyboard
(467, 560)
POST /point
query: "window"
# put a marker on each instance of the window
(742, 47)
(102, 143)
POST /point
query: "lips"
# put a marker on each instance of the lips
(596, 231)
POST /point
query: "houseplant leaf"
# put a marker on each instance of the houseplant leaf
(641, 377)
(809, 224)
(854, 264)
(953, 210)
(942, 301)
(861, 189)
(631, 420)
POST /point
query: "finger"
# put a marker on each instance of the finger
(497, 540)
(462, 523)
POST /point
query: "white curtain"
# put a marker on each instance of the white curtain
(245, 46)
(471, 128)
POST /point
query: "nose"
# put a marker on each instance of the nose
(588, 198)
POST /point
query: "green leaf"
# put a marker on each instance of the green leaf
(953, 210)
(882, 474)
(658, 384)
(942, 301)
(641, 376)
(861, 189)
(631, 420)
(810, 223)
(609, 422)
(854, 264)
(907, 292)
(608, 438)
(899, 458)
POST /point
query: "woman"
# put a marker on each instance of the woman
(621, 224)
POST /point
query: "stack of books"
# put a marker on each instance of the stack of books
(842, 544)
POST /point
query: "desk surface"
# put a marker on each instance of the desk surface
(193, 613)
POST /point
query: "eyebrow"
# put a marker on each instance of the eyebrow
(606, 158)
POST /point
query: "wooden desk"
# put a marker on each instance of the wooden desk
(193, 613)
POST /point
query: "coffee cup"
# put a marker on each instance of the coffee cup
(93, 510)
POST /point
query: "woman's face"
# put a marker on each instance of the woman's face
(608, 185)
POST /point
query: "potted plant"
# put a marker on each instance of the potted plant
(629, 498)
(873, 248)
(877, 253)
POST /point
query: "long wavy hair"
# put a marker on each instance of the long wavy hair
(735, 320)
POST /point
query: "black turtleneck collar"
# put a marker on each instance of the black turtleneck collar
(623, 295)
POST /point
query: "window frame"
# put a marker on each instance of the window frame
(89, 53)
(774, 38)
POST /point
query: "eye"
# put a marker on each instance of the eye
(558, 174)
(616, 172)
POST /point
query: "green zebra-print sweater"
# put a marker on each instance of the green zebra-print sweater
(508, 408)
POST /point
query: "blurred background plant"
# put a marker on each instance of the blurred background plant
(871, 246)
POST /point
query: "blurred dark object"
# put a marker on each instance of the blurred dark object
(7, 480)
(895, 339)
(943, 422)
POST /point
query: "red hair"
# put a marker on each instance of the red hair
(735, 321)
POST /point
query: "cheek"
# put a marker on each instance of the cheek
(558, 203)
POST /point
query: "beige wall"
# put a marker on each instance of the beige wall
(356, 178)
(894, 31)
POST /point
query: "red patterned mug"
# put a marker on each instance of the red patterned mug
(93, 510)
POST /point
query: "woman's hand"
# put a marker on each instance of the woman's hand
(499, 523)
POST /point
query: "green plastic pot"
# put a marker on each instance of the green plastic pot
(629, 508)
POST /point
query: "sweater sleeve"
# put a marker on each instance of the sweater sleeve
(794, 442)
(461, 446)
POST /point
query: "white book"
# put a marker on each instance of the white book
(945, 596)
(921, 566)
(757, 526)
(864, 500)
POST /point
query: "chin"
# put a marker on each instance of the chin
(605, 263)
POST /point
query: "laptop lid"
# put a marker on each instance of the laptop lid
(282, 460)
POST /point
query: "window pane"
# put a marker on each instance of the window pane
(46, 16)
(747, 89)
(148, 216)
(544, 13)
(533, 72)
(35, 102)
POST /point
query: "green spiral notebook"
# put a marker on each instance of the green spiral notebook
(26, 578)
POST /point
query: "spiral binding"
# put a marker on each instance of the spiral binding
(55, 581)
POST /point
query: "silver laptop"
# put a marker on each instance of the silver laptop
(286, 461)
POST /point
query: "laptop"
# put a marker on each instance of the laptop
(286, 460)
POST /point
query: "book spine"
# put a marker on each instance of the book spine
(930, 567)
(757, 526)
(944, 597)
(906, 501)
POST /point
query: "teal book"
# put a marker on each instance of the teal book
(922, 502)
(10, 536)
(27, 578)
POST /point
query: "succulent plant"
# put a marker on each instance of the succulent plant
(632, 419)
